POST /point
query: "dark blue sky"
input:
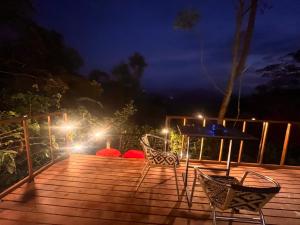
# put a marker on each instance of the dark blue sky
(106, 32)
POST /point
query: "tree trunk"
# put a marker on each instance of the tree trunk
(239, 55)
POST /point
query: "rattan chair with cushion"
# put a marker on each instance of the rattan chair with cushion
(157, 154)
(228, 193)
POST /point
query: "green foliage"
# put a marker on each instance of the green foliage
(121, 117)
(209, 151)
(175, 142)
(130, 139)
(87, 123)
(7, 161)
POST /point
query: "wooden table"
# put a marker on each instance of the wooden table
(213, 131)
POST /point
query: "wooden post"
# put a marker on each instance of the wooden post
(285, 144)
(242, 143)
(263, 143)
(50, 138)
(182, 139)
(221, 144)
(166, 137)
(67, 137)
(27, 147)
(202, 141)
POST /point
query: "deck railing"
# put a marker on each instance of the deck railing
(37, 144)
(28, 145)
(278, 141)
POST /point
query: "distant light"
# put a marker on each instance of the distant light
(99, 133)
(165, 131)
(77, 148)
(200, 116)
(253, 118)
(68, 127)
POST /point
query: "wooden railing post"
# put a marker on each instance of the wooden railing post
(285, 144)
(182, 139)
(166, 135)
(263, 142)
(67, 137)
(50, 138)
(221, 144)
(242, 143)
(202, 141)
(27, 147)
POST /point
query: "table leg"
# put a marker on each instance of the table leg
(229, 158)
(187, 163)
(186, 174)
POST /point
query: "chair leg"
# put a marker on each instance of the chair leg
(176, 181)
(143, 177)
(194, 184)
(144, 168)
(214, 215)
(262, 218)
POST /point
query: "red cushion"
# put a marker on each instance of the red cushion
(138, 154)
(111, 152)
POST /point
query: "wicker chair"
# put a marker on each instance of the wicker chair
(225, 192)
(157, 156)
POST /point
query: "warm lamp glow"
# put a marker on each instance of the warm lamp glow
(253, 118)
(200, 116)
(67, 127)
(165, 131)
(77, 148)
(99, 133)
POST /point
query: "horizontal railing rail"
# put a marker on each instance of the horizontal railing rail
(274, 139)
(35, 139)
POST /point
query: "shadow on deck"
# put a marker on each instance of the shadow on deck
(89, 190)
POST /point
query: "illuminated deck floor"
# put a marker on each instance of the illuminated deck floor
(88, 190)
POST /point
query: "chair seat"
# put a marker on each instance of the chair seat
(162, 158)
(218, 193)
(109, 152)
(226, 179)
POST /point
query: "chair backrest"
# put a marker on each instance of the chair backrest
(154, 151)
(226, 192)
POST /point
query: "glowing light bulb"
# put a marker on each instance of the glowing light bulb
(200, 116)
(68, 127)
(165, 131)
(77, 148)
(253, 118)
(99, 133)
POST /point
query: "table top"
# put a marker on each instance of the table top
(214, 131)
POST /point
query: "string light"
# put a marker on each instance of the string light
(77, 148)
(99, 133)
(200, 116)
(165, 131)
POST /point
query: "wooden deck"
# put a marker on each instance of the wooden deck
(89, 190)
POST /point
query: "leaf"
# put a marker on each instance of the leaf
(11, 167)
(186, 19)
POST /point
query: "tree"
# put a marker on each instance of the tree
(276, 98)
(137, 64)
(241, 47)
(99, 76)
(15, 17)
(282, 75)
(245, 21)
(130, 73)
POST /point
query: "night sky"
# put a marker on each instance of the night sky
(106, 32)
